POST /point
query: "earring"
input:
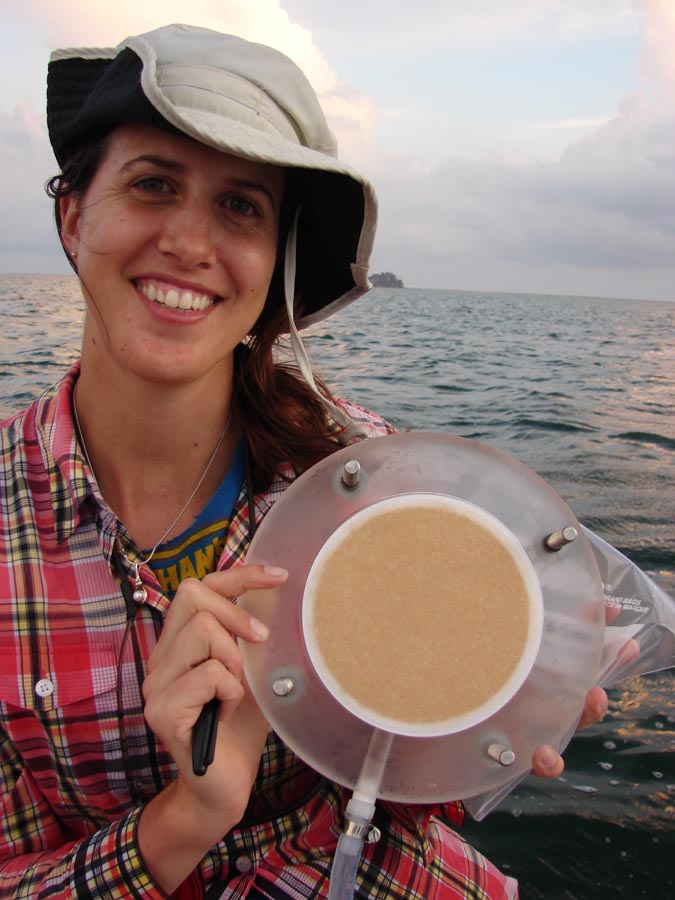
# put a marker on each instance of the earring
(74, 254)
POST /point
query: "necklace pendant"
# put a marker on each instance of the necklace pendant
(139, 595)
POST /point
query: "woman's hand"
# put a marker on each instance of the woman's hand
(196, 659)
(545, 761)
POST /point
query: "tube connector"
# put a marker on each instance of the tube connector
(370, 834)
(358, 818)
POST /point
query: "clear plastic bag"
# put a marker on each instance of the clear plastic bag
(639, 638)
(637, 609)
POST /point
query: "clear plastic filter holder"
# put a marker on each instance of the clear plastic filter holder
(476, 754)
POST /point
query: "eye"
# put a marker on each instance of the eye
(241, 206)
(153, 184)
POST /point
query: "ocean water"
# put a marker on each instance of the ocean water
(582, 390)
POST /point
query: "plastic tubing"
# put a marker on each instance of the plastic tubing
(360, 811)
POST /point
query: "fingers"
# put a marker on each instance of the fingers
(212, 596)
(203, 661)
(197, 656)
(546, 763)
(172, 707)
(628, 653)
(595, 707)
(611, 612)
(202, 638)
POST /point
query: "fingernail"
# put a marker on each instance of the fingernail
(260, 631)
(548, 757)
(276, 571)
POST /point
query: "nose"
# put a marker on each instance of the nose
(188, 234)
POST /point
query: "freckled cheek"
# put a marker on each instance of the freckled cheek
(255, 272)
(113, 234)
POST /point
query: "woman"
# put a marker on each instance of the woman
(200, 202)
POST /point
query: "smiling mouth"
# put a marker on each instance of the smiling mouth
(175, 298)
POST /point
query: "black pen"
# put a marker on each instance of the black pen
(204, 737)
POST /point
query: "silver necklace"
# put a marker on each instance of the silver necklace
(140, 594)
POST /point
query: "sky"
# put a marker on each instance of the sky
(515, 145)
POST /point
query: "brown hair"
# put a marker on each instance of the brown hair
(282, 418)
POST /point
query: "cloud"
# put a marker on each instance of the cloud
(455, 25)
(658, 60)
(601, 214)
(570, 124)
(26, 224)
(607, 205)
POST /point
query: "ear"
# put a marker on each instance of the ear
(69, 211)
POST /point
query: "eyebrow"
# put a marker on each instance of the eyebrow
(173, 165)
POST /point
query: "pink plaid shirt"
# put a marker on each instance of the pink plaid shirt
(69, 814)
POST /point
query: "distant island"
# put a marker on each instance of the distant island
(386, 279)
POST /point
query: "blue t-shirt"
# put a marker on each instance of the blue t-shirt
(195, 552)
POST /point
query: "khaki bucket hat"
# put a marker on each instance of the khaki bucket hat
(242, 98)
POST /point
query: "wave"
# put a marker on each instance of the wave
(646, 439)
(552, 425)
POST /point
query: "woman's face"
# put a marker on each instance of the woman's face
(176, 245)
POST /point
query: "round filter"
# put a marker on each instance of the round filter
(400, 625)
(428, 637)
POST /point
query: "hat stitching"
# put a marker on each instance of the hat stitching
(201, 92)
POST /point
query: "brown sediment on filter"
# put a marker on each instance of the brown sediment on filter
(420, 613)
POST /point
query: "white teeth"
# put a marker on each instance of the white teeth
(175, 299)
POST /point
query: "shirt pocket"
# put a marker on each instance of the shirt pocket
(60, 713)
(41, 673)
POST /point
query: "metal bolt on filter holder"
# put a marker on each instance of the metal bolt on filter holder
(558, 539)
(351, 473)
(501, 754)
(282, 687)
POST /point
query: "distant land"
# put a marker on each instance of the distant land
(386, 279)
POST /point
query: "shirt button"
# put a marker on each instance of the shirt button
(44, 688)
(244, 864)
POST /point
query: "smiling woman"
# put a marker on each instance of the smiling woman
(202, 205)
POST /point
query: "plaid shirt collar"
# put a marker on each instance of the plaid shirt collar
(72, 486)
